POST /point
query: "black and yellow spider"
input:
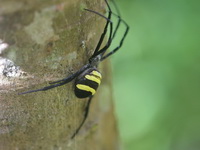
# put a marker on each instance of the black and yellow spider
(88, 78)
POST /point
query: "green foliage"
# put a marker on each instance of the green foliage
(157, 75)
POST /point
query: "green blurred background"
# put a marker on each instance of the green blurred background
(157, 75)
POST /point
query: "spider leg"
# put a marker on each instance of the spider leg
(123, 37)
(85, 117)
(104, 32)
(44, 88)
(121, 42)
(119, 18)
(71, 77)
(62, 82)
(111, 36)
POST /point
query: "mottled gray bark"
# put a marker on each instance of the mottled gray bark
(47, 41)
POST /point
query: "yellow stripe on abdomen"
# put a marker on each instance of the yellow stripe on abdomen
(86, 88)
(93, 78)
(96, 73)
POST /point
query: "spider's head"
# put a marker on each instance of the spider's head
(94, 61)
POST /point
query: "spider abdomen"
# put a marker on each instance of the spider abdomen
(87, 83)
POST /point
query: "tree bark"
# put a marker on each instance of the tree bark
(47, 41)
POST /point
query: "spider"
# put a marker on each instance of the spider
(88, 78)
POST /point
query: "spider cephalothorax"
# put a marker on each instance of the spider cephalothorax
(88, 78)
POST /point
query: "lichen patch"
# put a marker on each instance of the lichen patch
(41, 29)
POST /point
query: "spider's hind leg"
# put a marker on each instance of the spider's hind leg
(85, 117)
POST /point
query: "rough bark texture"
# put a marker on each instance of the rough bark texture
(48, 40)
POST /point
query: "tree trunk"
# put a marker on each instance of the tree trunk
(47, 41)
